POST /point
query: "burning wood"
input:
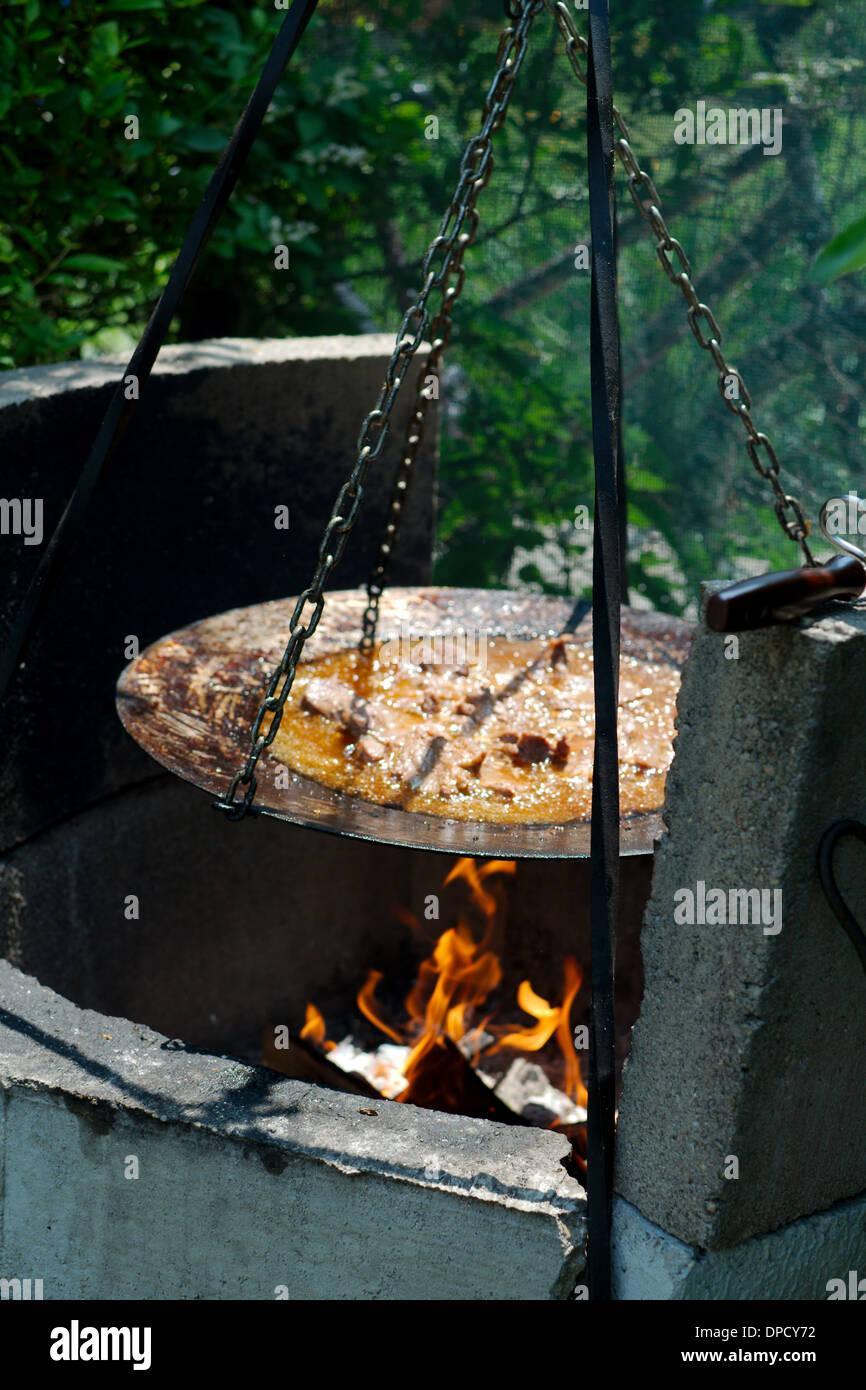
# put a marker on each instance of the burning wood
(304, 1062)
(526, 1089)
(439, 1058)
(442, 1079)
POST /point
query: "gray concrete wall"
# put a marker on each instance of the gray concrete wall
(134, 1168)
(751, 1046)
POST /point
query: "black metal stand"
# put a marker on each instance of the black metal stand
(127, 394)
(606, 584)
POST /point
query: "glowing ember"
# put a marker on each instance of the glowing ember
(382, 1068)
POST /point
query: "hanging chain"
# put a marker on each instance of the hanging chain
(447, 249)
(456, 234)
(761, 452)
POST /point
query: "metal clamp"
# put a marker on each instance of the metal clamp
(837, 541)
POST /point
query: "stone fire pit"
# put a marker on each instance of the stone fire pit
(147, 941)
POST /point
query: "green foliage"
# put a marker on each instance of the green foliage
(97, 217)
(343, 174)
(843, 255)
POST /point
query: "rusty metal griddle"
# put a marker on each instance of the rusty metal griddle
(190, 698)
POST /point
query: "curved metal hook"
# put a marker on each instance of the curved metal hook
(830, 886)
(837, 541)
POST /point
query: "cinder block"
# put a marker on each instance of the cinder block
(751, 1045)
(803, 1261)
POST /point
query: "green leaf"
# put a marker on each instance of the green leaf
(86, 261)
(167, 125)
(843, 255)
(202, 138)
(105, 41)
(408, 110)
(310, 126)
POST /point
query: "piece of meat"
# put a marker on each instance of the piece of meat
(388, 723)
(579, 760)
(644, 735)
(647, 748)
(533, 748)
(356, 721)
(457, 783)
(327, 696)
(497, 774)
(413, 754)
(430, 703)
(368, 749)
(454, 767)
(558, 653)
(561, 751)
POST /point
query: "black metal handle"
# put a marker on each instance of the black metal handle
(827, 876)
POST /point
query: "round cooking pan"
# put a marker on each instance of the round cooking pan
(190, 699)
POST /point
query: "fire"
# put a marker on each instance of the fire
(550, 1021)
(314, 1030)
(449, 999)
(367, 1004)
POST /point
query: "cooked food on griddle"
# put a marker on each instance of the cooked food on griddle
(506, 738)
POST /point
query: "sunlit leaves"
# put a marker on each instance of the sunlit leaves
(843, 255)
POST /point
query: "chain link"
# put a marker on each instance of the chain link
(456, 234)
(443, 271)
(731, 385)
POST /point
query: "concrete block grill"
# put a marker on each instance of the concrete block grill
(124, 1036)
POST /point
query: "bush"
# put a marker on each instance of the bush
(344, 176)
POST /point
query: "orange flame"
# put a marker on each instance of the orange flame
(456, 979)
(314, 1030)
(449, 999)
(550, 1021)
(455, 982)
(474, 876)
(366, 1003)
